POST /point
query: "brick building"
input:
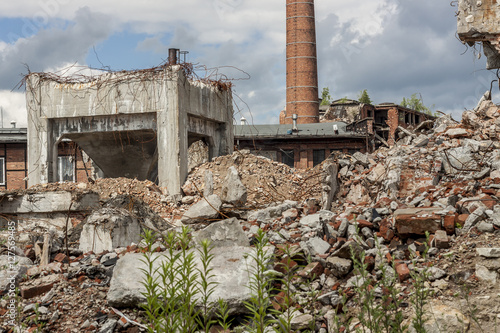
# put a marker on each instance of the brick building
(14, 166)
(358, 127)
(304, 147)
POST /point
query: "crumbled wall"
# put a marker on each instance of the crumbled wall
(478, 21)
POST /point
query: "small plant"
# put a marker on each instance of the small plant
(421, 294)
(223, 315)
(172, 286)
(260, 286)
(283, 322)
(206, 287)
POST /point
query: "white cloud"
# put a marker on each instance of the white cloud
(14, 108)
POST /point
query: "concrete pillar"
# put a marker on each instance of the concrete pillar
(170, 138)
(42, 155)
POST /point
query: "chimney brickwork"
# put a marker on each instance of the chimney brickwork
(301, 63)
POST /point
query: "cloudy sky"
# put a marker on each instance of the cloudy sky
(392, 48)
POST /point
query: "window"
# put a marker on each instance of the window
(2, 170)
(65, 169)
(318, 156)
(288, 158)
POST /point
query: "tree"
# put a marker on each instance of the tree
(416, 104)
(364, 98)
(325, 96)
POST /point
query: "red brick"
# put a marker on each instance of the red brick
(314, 269)
(61, 257)
(403, 271)
(386, 231)
(460, 220)
(364, 223)
(284, 265)
(416, 221)
(449, 223)
(33, 291)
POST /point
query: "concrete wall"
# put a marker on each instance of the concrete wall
(477, 21)
(132, 124)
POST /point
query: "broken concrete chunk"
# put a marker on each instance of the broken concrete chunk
(313, 221)
(475, 217)
(421, 141)
(484, 274)
(233, 190)
(489, 252)
(230, 265)
(12, 271)
(441, 239)
(315, 246)
(266, 214)
(460, 159)
(339, 267)
(457, 133)
(203, 211)
(208, 188)
(109, 228)
(377, 173)
(442, 318)
(223, 234)
(361, 158)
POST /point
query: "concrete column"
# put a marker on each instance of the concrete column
(172, 137)
(41, 159)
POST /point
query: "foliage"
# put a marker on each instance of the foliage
(363, 97)
(325, 96)
(416, 104)
(260, 286)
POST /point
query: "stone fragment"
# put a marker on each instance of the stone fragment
(439, 318)
(344, 225)
(108, 326)
(109, 228)
(208, 188)
(456, 133)
(361, 158)
(349, 249)
(11, 271)
(460, 159)
(339, 267)
(313, 221)
(484, 226)
(301, 321)
(224, 233)
(39, 286)
(377, 173)
(266, 214)
(230, 271)
(421, 141)
(187, 200)
(315, 246)
(233, 190)
(204, 210)
(488, 252)
(484, 274)
(435, 273)
(441, 239)
(475, 217)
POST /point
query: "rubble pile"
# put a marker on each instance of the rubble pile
(436, 192)
(108, 188)
(265, 180)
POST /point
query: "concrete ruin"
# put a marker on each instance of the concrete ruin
(478, 22)
(136, 124)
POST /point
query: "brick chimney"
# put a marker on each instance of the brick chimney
(301, 63)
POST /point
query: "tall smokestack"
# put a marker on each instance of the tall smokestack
(301, 63)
